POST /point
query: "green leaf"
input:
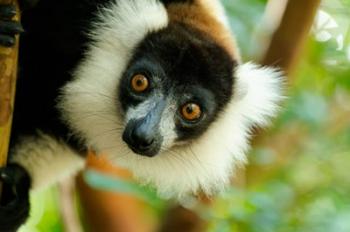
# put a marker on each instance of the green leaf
(106, 182)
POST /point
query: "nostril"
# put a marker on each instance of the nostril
(145, 143)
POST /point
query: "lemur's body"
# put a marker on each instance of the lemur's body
(83, 68)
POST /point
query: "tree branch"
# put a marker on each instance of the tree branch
(8, 75)
(289, 39)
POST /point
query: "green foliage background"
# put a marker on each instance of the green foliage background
(298, 177)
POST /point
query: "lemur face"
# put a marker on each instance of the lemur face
(173, 88)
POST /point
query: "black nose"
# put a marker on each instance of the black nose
(141, 139)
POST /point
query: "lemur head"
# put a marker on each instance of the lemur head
(162, 91)
(175, 85)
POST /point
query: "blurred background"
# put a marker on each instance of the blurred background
(298, 174)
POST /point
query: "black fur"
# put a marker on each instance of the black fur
(50, 48)
(8, 27)
(7, 11)
(14, 205)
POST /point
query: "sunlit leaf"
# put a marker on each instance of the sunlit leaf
(106, 182)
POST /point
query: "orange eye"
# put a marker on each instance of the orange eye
(139, 83)
(191, 111)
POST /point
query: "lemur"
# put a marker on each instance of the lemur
(157, 85)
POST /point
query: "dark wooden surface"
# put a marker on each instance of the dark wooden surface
(8, 75)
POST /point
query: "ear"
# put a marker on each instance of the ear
(258, 92)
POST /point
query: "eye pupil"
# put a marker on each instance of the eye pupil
(139, 82)
(189, 109)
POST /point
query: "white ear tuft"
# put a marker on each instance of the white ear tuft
(258, 90)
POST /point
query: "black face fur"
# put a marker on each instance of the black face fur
(187, 65)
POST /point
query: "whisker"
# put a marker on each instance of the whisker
(111, 119)
(108, 132)
(96, 93)
(179, 159)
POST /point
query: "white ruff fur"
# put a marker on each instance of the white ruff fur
(46, 160)
(89, 106)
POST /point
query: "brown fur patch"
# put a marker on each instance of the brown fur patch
(198, 15)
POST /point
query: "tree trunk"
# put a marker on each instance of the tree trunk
(289, 39)
(8, 75)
